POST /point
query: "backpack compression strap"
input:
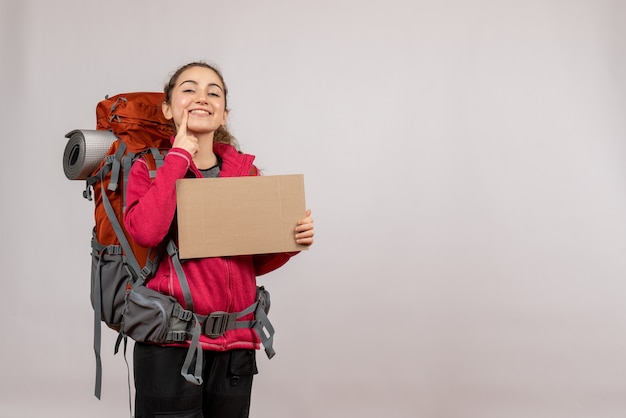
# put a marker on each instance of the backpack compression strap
(196, 377)
(97, 316)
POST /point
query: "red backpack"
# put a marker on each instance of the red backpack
(141, 131)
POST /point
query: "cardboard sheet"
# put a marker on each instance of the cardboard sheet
(239, 215)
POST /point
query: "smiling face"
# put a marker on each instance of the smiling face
(201, 92)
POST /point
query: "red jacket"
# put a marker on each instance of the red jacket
(216, 283)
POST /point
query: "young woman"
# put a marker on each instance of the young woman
(195, 100)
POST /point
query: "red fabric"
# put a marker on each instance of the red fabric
(136, 118)
(217, 284)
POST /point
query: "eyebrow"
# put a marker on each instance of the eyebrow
(196, 83)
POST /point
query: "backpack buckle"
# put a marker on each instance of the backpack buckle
(216, 324)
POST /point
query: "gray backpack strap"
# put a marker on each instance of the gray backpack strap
(195, 347)
(97, 319)
(127, 162)
(265, 330)
(119, 232)
(172, 250)
(116, 160)
(158, 159)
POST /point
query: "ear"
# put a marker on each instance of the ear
(167, 111)
(225, 118)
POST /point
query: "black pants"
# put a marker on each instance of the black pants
(161, 391)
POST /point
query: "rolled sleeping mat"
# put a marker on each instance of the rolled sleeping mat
(84, 152)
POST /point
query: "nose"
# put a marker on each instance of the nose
(203, 96)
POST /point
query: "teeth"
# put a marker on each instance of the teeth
(200, 112)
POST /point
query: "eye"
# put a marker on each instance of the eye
(188, 91)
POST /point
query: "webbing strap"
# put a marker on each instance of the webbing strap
(87, 191)
(265, 330)
(119, 232)
(99, 248)
(95, 178)
(194, 347)
(181, 313)
(92, 180)
(217, 323)
(130, 395)
(97, 327)
(152, 262)
(172, 250)
(158, 159)
(127, 161)
(115, 167)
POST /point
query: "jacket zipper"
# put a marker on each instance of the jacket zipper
(229, 305)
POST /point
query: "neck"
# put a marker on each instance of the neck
(205, 157)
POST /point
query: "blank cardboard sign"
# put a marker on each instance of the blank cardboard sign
(239, 215)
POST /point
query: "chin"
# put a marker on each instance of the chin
(201, 129)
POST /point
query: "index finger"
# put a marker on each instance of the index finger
(182, 129)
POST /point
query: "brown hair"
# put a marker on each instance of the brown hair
(221, 134)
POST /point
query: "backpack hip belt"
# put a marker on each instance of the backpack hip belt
(153, 317)
(214, 325)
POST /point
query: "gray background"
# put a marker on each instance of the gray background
(463, 160)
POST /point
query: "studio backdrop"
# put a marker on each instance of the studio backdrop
(464, 162)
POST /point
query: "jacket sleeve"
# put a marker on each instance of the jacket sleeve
(265, 263)
(151, 204)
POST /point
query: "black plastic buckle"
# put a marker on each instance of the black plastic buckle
(215, 325)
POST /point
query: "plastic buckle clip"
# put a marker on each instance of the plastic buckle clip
(216, 323)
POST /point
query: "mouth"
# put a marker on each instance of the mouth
(199, 112)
